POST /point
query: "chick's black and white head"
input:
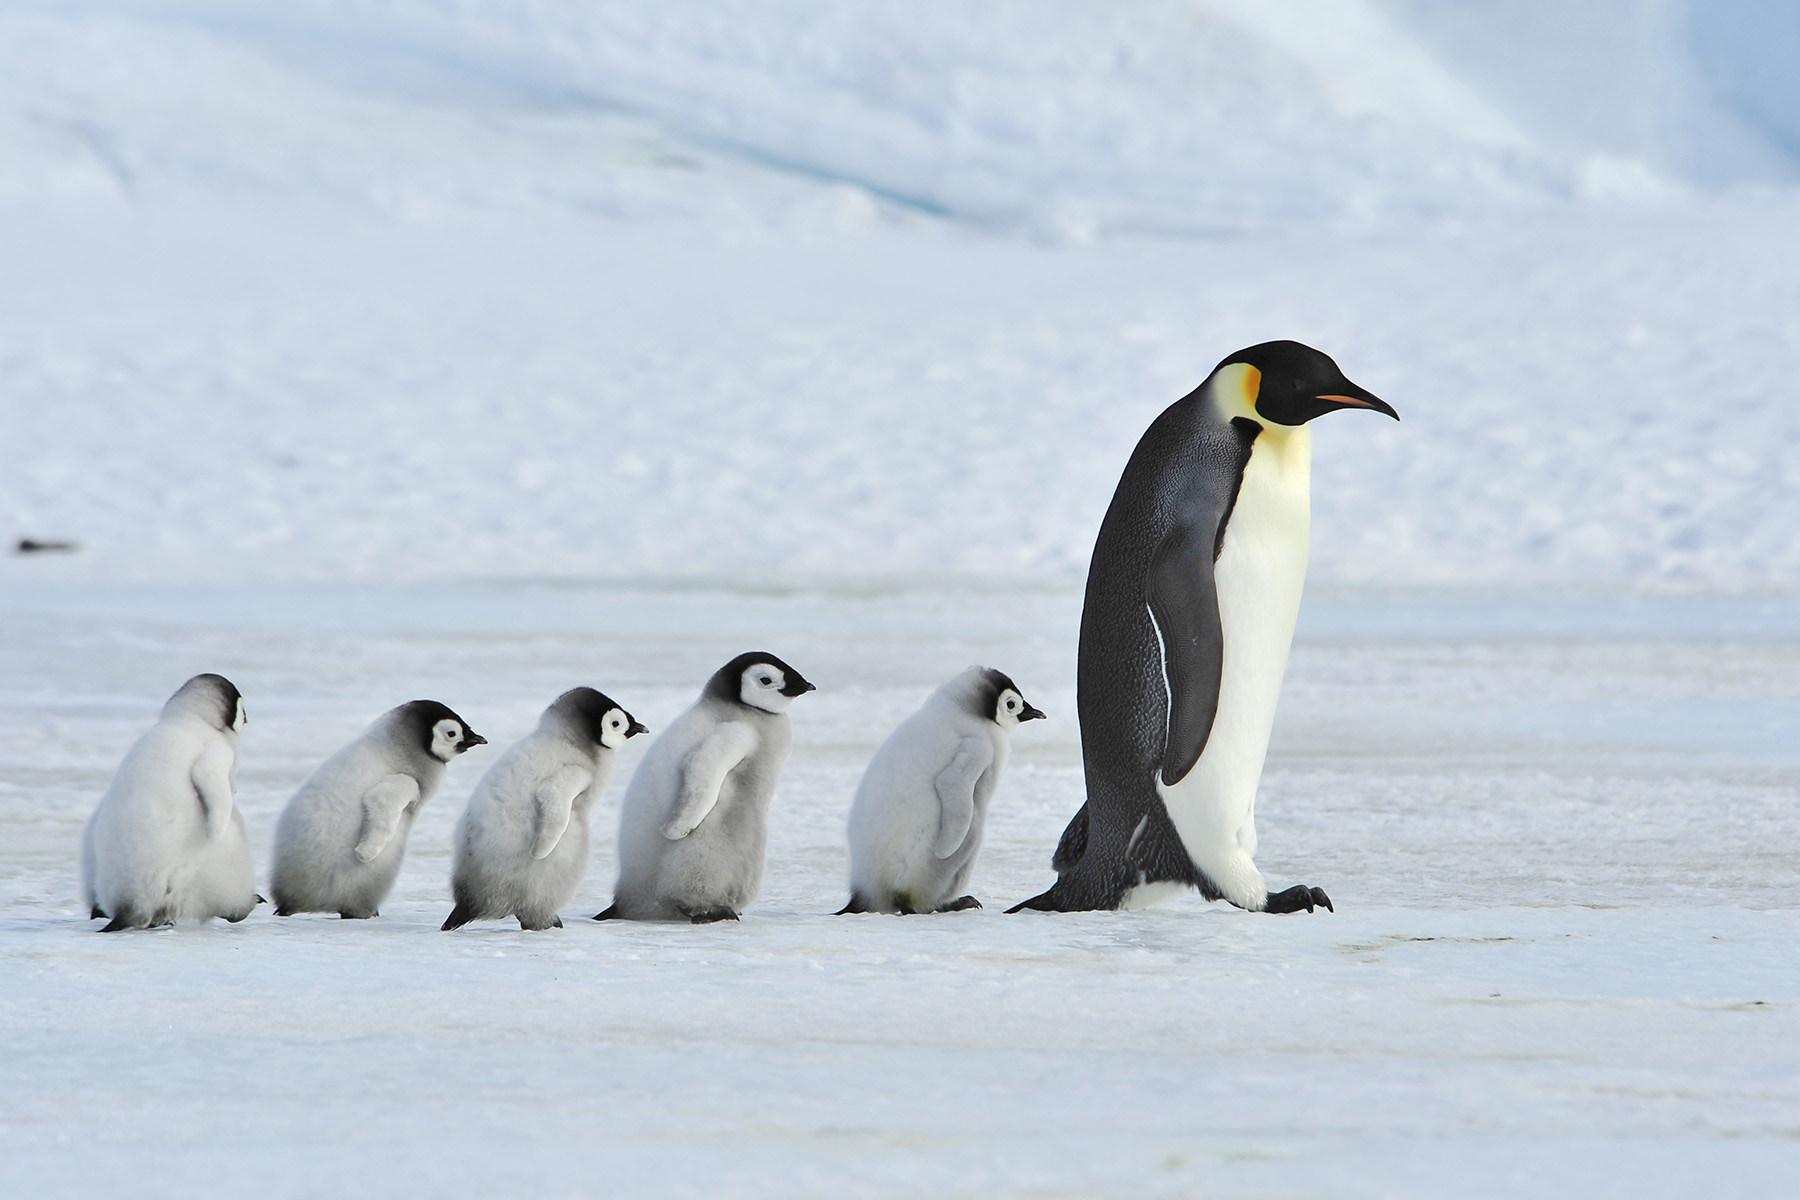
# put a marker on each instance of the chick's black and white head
(437, 730)
(214, 699)
(1287, 384)
(1000, 701)
(605, 722)
(758, 680)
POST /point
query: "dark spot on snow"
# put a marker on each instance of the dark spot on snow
(44, 546)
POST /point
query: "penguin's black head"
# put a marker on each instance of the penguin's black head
(214, 698)
(437, 730)
(1287, 383)
(999, 700)
(760, 680)
(604, 721)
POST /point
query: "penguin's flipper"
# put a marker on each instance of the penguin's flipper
(956, 786)
(382, 805)
(1184, 603)
(1298, 897)
(459, 916)
(612, 913)
(554, 804)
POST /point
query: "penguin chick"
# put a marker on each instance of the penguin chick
(694, 824)
(916, 825)
(166, 842)
(342, 837)
(522, 842)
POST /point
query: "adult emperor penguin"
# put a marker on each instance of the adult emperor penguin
(166, 842)
(1191, 600)
(695, 821)
(342, 837)
(916, 823)
(522, 842)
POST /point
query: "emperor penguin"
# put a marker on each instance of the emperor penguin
(695, 820)
(1191, 599)
(916, 823)
(522, 842)
(166, 842)
(342, 837)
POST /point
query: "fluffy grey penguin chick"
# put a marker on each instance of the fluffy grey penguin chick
(342, 837)
(916, 825)
(522, 842)
(695, 821)
(166, 843)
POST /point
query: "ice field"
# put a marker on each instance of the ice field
(1562, 956)
(420, 349)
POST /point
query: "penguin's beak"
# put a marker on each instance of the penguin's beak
(471, 739)
(633, 729)
(1351, 396)
(797, 687)
(1031, 714)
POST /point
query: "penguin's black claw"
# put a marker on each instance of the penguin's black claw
(1296, 898)
(556, 922)
(711, 915)
(96, 914)
(961, 904)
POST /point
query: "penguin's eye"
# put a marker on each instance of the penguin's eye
(764, 680)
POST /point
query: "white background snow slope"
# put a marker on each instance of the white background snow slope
(373, 350)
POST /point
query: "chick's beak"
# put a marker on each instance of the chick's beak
(471, 739)
(797, 687)
(633, 729)
(1031, 714)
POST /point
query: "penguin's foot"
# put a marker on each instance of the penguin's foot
(115, 925)
(357, 916)
(538, 924)
(1298, 897)
(708, 916)
(857, 905)
(961, 904)
(97, 913)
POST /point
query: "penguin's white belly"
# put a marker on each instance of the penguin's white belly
(1259, 575)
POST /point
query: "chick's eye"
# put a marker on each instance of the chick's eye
(765, 681)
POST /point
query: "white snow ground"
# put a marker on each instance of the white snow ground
(373, 350)
(1562, 962)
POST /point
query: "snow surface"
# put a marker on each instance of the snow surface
(1562, 959)
(374, 349)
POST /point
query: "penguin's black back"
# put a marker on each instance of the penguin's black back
(1184, 474)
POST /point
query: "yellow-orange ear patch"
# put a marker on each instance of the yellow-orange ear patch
(1252, 386)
